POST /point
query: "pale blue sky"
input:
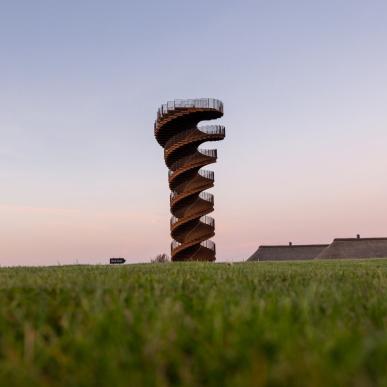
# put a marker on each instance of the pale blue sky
(305, 90)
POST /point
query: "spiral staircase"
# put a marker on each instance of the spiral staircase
(176, 130)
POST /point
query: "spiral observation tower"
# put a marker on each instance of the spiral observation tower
(177, 131)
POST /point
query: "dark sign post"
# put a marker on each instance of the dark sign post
(116, 261)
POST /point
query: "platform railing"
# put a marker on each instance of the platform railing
(208, 197)
(208, 220)
(203, 196)
(207, 174)
(194, 157)
(200, 103)
(209, 152)
(175, 244)
(174, 220)
(208, 244)
(191, 133)
(174, 194)
(212, 129)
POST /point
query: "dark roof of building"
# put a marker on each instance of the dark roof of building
(355, 248)
(287, 252)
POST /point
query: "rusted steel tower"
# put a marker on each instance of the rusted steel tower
(177, 132)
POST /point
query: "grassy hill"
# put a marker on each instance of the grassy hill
(275, 323)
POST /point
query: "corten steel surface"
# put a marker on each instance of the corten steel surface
(177, 131)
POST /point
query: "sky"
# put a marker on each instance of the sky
(82, 179)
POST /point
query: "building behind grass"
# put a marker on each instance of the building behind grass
(287, 252)
(340, 248)
(355, 248)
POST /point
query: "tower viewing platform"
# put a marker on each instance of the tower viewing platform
(176, 130)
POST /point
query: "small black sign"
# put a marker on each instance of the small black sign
(116, 261)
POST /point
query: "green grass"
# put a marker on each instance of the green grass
(251, 324)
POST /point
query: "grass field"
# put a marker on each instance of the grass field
(294, 324)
